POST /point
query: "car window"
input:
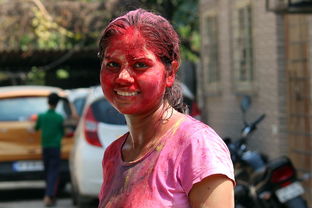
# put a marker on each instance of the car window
(104, 112)
(63, 108)
(79, 104)
(21, 108)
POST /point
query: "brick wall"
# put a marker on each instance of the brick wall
(221, 109)
(269, 95)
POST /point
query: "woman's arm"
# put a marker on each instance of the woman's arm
(216, 191)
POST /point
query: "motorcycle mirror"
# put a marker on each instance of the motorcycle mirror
(245, 103)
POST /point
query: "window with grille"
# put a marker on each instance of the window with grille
(242, 46)
(211, 50)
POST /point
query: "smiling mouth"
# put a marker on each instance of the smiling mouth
(126, 93)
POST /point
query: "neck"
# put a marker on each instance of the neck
(144, 128)
(147, 130)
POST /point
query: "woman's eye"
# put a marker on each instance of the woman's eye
(112, 65)
(140, 65)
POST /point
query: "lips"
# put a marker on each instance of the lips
(122, 93)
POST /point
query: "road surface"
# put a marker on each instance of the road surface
(30, 195)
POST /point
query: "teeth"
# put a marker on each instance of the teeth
(126, 93)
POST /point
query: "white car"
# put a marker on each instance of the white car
(78, 98)
(99, 126)
(190, 101)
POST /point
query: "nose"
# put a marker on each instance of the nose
(124, 77)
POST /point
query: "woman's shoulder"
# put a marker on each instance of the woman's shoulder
(192, 128)
(202, 148)
(115, 146)
(194, 134)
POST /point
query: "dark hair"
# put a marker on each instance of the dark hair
(160, 38)
(53, 99)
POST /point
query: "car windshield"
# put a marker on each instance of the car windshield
(21, 108)
(104, 112)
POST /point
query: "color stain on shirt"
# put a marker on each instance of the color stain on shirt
(189, 152)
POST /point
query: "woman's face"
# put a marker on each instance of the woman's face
(133, 79)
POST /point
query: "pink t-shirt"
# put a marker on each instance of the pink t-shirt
(163, 177)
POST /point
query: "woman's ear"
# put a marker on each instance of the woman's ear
(171, 74)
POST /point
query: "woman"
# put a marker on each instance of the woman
(167, 159)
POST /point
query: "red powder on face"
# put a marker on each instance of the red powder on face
(133, 79)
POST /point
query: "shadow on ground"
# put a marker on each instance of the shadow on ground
(22, 194)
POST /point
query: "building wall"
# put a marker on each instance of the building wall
(298, 93)
(222, 107)
(283, 131)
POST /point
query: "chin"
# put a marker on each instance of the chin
(132, 109)
(137, 111)
(130, 112)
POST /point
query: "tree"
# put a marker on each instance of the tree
(183, 14)
(73, 24)
(35, 24)
(50, 24)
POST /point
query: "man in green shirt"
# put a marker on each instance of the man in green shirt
(51, 125)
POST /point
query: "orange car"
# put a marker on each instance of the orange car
(20, 146)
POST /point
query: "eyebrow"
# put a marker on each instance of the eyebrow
(132, 58)
(141, 58)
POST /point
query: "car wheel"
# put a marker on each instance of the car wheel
(81, 201)
(74, 195)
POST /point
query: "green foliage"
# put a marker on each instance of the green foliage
(3, 76)
(26, 41)
(36, 76)
(49, 30)
(185, 19)
(183, 14)
(87, 0)
(186, 14)
(62, 74)
(49, 34)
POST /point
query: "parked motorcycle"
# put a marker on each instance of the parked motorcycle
(262, 183)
